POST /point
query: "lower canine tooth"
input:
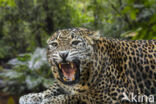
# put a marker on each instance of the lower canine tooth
(72, 65)
(60, 66)
(73, 78)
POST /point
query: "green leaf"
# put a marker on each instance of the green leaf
(133, 15)
(24, 57)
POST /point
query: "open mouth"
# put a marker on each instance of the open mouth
(69, 72)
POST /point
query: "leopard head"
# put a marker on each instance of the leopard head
(68, 52)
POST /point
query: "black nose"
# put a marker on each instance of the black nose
(63, 55)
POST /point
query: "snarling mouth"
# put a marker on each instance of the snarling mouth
(69, 72)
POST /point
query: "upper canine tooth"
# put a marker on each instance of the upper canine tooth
(64, 79)
(73, 78)
(72, 65)
(60, 66)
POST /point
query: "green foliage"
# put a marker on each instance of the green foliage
(140, 15)
(29, 72)
(26, 24)
(10, 3)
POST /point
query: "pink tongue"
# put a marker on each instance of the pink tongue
(68, 72)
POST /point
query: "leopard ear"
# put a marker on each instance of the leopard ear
(93, 37)
(96, 35)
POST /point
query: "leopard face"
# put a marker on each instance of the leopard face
(68, 51)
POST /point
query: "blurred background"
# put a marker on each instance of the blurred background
(25, 25)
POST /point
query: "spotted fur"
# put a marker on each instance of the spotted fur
(108, 68)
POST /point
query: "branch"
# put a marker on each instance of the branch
(125, 17)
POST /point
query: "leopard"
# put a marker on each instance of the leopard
(91, 69)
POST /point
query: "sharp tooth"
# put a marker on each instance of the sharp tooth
(72, 65)
(60, 66)
(64, 79)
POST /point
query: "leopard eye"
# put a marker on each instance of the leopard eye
(75, 42)
(54, 44)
